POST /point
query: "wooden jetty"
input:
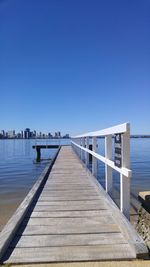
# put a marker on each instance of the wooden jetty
(67, 216)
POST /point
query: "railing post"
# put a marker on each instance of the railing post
(94, 160)
(77, 150)
(125, 181)
(80, 148)
(108, 169)
(87, 154)
(83, 152)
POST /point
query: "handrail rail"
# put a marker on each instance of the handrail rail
(122, 155)
(121, 128)
(125, 171)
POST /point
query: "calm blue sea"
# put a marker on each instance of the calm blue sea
(19, 171)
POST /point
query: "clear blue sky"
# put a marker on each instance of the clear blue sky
(74, 65)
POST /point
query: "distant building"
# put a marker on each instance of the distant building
(34, 134)
(27, 133)
(11, 134)
(50, 135)
(57, 134)
(31, 135)
(66, 136)
(18, 135)
(21, 134)
(2, 134)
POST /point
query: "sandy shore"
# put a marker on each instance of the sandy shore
(9, 202)
(6, 211)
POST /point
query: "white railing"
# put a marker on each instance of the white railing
(120, 163)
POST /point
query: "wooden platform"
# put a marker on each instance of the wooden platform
(72, 219)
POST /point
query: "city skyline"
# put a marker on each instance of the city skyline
(30, 134)
(77, 66)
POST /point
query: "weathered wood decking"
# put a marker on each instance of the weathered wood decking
(73, 219)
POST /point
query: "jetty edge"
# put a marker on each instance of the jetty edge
(8, 232)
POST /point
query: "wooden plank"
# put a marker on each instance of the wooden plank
(83, 175)
(66, 172)
(68, 176)
(66, 181)
(73, 168)
(107, 219)
(68, 229)
(69, 166)
(69, 194)
(68, 198)
(68, 214)
(70, 253)
(69, 191)
(69, 182)
(80, 190)
(68, 186)
(72, 203)
(67, 240)
(69, 207)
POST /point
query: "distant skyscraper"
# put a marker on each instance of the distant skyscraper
(34, 133)
(11, 134)
(57, 134)
(50, 135)
(3, 133)
(27, 133)
(66, 136)
(21, 134)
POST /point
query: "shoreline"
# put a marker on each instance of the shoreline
(8, 205)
